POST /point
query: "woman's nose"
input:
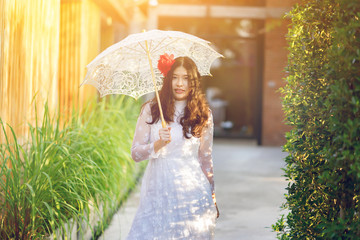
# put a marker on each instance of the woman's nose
(179, 82)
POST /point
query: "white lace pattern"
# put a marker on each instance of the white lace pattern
(124, 68)
(176, 191)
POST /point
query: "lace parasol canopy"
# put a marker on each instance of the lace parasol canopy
(124, 67)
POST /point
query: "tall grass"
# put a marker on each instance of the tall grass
(62, 172)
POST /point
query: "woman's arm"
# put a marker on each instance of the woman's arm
(141, 148)
(205, 156)
(205, 152)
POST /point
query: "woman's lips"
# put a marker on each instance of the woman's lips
(179, 90)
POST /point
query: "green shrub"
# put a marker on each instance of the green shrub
(61, 174)
(321, 101)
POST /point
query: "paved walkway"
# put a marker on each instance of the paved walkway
(249, 190)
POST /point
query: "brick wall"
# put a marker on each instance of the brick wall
(275, 60)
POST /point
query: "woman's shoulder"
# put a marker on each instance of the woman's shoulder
(209, 121)
(146, 108)
(208, 112)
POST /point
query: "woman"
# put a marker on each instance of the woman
(177, 192)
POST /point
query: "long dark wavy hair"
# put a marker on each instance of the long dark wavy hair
(196, 112)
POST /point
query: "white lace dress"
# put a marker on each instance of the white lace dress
(176, 192)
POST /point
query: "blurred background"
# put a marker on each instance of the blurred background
(46, 44)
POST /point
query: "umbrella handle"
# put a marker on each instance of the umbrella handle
(163, 123)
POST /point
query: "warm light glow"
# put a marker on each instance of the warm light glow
(109, 21)
(153, 3)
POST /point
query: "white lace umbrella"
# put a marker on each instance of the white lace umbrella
(130, 66)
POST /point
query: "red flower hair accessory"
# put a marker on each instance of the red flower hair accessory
(165, 62)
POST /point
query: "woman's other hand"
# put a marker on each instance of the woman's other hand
(217, 210)
(165, 138)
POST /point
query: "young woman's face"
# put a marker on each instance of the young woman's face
(180, 84)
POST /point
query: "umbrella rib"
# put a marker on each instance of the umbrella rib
(150, 44)
(153, 50)
(135, 50)
(142, 46)
(164, 46)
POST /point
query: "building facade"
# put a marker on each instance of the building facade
(44, 55)
(243, 91)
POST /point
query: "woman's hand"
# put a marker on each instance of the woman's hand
(217, 210)
(165, 138)
(165, 135)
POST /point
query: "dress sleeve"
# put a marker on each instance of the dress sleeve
(142, 148)
(205, 152)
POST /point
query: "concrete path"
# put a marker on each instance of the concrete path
(249, 190)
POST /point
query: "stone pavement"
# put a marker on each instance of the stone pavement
(249, 190)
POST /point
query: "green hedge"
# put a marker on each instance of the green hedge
(60, 174)
(321, 101)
